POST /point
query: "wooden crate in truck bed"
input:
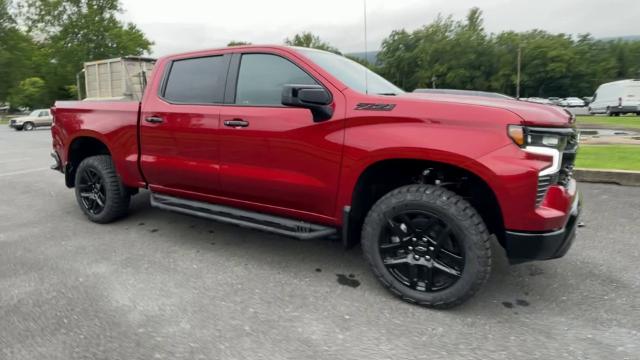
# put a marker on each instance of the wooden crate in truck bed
(119, 78)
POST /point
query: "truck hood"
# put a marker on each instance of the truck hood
(531, 114)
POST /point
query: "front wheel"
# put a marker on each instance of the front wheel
(28, 126)
(100, 193)
(427, 245)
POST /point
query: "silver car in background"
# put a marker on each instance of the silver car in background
(37, 118)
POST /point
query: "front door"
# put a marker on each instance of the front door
(275, 155)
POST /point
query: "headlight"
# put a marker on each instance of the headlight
(549, 142)
(543, 137)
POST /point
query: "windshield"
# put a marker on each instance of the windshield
(352, 74)
(34, 113)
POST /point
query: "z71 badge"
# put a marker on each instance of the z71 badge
(375, 107)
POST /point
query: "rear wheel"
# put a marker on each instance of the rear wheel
(427, 245)
(28, 126)
(100, 193)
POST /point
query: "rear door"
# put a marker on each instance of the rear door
(274, 156)
(179, 126)
(44, 118)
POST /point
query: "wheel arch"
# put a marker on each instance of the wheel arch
(80, 148)
(373, 181)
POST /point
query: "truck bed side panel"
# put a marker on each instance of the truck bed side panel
(114, 123)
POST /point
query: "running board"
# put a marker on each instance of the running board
(244, 218)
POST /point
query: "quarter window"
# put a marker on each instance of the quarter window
(262, 77)
(197, 81)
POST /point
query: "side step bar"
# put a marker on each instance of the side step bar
(250, 219)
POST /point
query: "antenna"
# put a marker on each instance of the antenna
(366, 53)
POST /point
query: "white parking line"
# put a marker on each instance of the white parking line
(25, 150)
(23, 171)
(13, 160)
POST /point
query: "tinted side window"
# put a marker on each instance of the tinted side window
(197, 81)
(262, 77)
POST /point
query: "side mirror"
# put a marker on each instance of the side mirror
(312, 97)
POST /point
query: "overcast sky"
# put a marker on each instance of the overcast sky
(177, 26)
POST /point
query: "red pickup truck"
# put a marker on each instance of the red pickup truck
(309, 144)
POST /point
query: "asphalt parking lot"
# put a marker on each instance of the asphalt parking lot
(159, 285)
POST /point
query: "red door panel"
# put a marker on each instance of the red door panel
(182, 152)
(282, 158)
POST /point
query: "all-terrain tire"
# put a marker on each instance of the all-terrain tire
(459, 215)
(117, 195)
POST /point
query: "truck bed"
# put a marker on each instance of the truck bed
(114, 123)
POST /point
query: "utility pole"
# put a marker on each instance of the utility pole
(366, 53)
(518, 74)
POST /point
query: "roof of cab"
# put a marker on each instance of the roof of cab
(227, 48)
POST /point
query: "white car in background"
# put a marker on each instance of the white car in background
(39, 117)
(538, 100)
(615, 98)
(572, 102)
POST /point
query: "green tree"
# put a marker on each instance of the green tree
(238, 43)
(309, 40)
(461, 55)
(17, 52)
(77, 31)
(30, 93)
(399, 60)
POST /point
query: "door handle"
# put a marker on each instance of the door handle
(236, 123)
(154, 120)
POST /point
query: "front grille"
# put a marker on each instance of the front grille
(565, 174)
(13, 122)
(568, 159)
(543, 185)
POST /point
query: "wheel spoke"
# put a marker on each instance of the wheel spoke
(407, 223)
(99, 200)
(89, 176)
(392, 246)
(396, 261)
(396, 228)
(88, 195)
(450, 258)
(446, 268)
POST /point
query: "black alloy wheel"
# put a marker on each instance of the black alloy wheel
(421, 251)
(427, 245)
(93, 193)
(100, 193)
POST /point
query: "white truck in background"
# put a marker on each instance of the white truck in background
(615, 98)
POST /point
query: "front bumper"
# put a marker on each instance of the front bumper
(528, 246)
(15, 125)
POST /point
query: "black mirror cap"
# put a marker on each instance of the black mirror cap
(313, 97)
